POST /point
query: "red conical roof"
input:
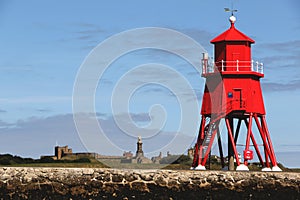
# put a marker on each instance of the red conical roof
(232, 34)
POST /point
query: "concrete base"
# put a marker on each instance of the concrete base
(108, 183)
(200, 167)
(242, 167)
(266, 169)
(276, 169)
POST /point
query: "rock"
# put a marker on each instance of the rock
(117, 178)
(87, 171)
(139, 186)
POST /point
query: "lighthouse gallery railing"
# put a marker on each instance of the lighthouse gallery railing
(232, 66)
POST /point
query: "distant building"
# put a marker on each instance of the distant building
(60, 152)
(64, 152)
(127, 154)
(139, 156)
(139, 149)
(156, 159)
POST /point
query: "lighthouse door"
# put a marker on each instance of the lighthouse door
(237, 98)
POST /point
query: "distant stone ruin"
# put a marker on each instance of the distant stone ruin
(64, 152)
(61, 152)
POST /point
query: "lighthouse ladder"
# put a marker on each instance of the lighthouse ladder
(208, 131)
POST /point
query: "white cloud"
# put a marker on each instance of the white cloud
(35, 99)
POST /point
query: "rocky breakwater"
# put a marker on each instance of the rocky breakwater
(88, 183)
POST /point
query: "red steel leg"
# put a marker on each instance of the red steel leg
(200, 155)
(266, 147)
(257, 149)
(232, 141)
(210, 145)
(198, 149)
(265, 128)
(220, 148)
(255, 145)
(196, 153)
(202, 137)
(237, 131)
(248, 137)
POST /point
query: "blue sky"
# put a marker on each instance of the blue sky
(43, 45)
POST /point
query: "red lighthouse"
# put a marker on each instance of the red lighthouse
(233, 93)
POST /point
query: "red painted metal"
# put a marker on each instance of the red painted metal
(256, 149)
(266, 145)
(220, 148)
(255, 145)
(232, 141)
(273, 160)
(248, 138)
(236, 135)
(248, 154)
(233, 91)
(232, 34)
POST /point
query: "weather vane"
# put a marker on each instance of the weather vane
(230, 10)
(232, 18)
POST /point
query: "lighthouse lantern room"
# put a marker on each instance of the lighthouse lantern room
(233, 93)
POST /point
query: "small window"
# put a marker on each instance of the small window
(230, 95)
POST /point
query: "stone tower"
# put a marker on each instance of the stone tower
(139, 150)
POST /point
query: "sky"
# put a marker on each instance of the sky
(45, 47)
